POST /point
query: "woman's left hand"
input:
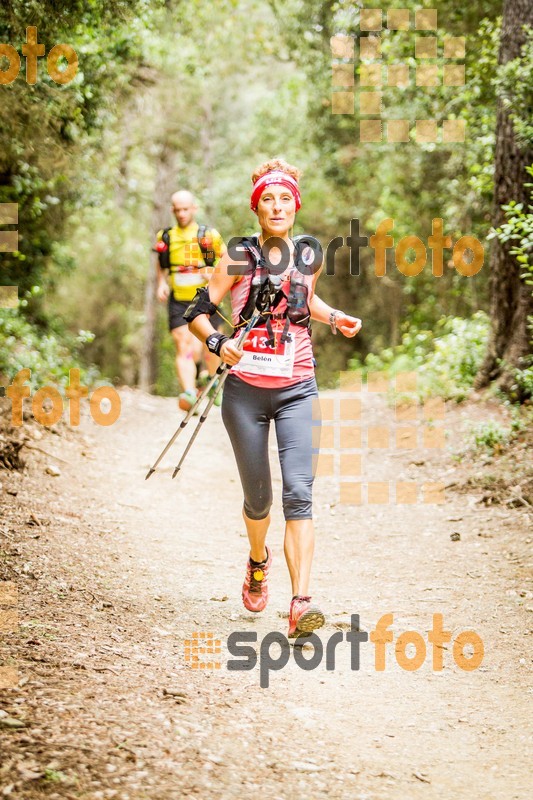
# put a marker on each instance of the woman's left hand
(348, 326)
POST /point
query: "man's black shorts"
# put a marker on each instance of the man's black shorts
(176, 310)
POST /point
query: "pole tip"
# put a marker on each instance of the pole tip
(150, 472)
(175, 472)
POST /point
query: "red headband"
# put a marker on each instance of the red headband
(275, 177)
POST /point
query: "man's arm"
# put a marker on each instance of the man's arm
(218, 246)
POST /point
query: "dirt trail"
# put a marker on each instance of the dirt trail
(124, 571)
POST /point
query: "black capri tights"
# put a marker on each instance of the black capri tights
(246, 412)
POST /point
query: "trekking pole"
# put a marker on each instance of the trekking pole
(264, 293)
(222, 368)
(219, 373)
(240, 343)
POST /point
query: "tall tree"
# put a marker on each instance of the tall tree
(164, 185)
(511, 298)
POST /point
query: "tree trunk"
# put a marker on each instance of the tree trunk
(206, 139)
(511, 299)
(164, 186)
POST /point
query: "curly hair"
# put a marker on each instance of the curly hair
(276, 164)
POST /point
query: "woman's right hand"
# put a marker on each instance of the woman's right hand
(230, 353)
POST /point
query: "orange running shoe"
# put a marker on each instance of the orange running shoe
(303, 617)
(255, 586)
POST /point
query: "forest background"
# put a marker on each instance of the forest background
(183, 94)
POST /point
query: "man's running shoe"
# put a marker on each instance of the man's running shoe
(187, 399)
(304, 617)
(255, 586)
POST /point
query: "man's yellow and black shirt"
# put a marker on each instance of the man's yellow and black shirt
(187, 266)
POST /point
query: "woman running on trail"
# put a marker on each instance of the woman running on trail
(272, 379)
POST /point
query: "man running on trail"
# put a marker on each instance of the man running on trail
(187, 254)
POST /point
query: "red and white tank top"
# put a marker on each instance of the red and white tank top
(286, 363)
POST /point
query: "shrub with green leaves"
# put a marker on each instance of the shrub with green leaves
(490, 435)
(446, 359)
(49, 355)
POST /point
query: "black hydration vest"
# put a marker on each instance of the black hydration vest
(297, 310)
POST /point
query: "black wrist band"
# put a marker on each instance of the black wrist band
(215, 341)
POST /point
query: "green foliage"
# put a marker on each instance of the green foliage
(411, 183)
(217, 112)
(106, 291)
(46, 129)
(56, 776)
(524, 380)
(446, 359)
(493, 437)
(515, 86)
(518, 229)
(166, 383)
(222, 87)
(490, 436)
(49, 355)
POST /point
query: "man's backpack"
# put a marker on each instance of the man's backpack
(205, 243)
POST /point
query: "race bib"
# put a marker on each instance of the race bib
(261, 359)
(192, 278)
